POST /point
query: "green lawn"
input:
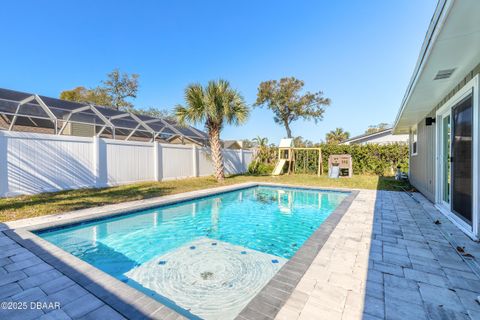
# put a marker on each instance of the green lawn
(49, 203)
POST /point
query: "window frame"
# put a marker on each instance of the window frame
(414, 141)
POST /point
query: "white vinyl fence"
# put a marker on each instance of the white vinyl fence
(33, 163)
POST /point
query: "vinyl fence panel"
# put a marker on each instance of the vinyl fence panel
(33, 163)
(177, 161)
(129, 162)
(205, 163)
(233, 161)
(38, 163)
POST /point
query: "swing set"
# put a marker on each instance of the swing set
(298, 160)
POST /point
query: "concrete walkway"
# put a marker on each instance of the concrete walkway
(386, 259)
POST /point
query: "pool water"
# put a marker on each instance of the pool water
(208, 257)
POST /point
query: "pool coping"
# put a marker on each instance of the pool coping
(133, 303)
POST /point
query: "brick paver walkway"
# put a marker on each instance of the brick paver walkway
(388, 260)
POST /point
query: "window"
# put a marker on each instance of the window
(414, 147)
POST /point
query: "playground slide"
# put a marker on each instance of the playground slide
(279, 167)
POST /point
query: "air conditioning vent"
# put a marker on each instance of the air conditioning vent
(444, 74)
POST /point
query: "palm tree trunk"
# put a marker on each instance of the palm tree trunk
(217, 157)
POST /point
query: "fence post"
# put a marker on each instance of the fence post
(3, 165)
(99, 163)
(195, 160)
(157, 161)
(242, 162)
(96, 161)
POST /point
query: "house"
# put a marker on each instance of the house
(380, 137)
(178, 139)
(233, 144)
(440, 112)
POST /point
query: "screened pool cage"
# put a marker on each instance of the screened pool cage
(20, 111)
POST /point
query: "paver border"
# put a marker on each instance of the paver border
(133, 303)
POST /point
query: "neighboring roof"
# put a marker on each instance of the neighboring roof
(452, 42)
(201, 142)
(29, 109)
(368, 135)
(229, 144)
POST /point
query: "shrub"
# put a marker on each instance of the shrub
(259, 168)
(370, 158)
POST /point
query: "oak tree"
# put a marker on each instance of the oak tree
(285, 98)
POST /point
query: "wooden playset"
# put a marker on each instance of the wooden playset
(287, 157)
(289, 161)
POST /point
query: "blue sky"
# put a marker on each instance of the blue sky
(359, 53)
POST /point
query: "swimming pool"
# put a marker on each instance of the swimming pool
(206, 257)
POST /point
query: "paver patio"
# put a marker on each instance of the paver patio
(386, 259)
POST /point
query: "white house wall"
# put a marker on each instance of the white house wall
(422, 165)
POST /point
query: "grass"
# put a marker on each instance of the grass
(57, 202)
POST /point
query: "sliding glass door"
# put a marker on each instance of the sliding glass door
(462, 159)
(456, 160)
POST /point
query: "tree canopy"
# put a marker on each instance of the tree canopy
(116, 92)
(376, 128)
(284, 97)
(97, 96)
(156, 112)
(336, 136)
(301, 142)
(121, 87)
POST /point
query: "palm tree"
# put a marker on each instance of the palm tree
(213, 105)
(260, 142)
(262, 154)
(336, 136)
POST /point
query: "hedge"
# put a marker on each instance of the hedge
(367, 159)
(370, 158)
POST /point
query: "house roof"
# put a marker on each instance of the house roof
(449, 52)
(200, 142)
(232, 143)
(368, 135)
(34, 110)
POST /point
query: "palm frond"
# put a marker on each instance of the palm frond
(214, 104)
